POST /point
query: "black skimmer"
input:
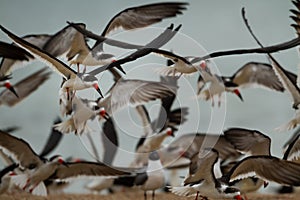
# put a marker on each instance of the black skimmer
(191, 143)
(24, 88)
(216, 85)
(249, 142)
(287, 82)
(82, 111)
(267, 168)
(158, 130)
(8, 86)
(137, 92)
(128, 19)
(148, 178)
(74, 81)
(37, 169)
(250, 75)
(257, 145)
(151, 47)
(202, 179)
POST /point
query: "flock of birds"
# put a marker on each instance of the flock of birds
(239, 162)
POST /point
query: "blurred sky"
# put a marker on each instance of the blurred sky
(207, 25)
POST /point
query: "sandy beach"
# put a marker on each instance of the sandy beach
(133, 196)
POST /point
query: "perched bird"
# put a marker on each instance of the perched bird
(24, 88)
(202, 179)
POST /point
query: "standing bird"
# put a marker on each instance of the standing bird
(147, 178)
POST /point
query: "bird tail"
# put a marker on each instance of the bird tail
(65, 126)
(19, 180)
(288, 126)
(183, 190)
(40, 190)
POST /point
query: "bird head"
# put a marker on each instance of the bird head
(103, 113)
(170, 132)
(10, 88)
(237, 93)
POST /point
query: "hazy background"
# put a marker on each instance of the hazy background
(210, 25)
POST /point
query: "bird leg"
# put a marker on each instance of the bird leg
(219, 101)
(78, 69)
(153, 194)
(32, 188)
(145, 195)
(26, 185)
(212, 101)
(197, 195)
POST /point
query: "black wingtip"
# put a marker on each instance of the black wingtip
(178, 27)
(119, 67)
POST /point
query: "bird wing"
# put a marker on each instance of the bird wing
(293, 150)
(255, 74)
(268, 168)
(142, 16)
(287, 83)
(57, 65)
(110, 141)
(24, 87)
(102, 39)
(248, 141)
(52, 141)
(192, 142)
(13, 52)
(19, 150)
(134, 92)
(86, 169)
(296, 16)
(201, 167)
(63, 41)
(150, 47)
(8, 65)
